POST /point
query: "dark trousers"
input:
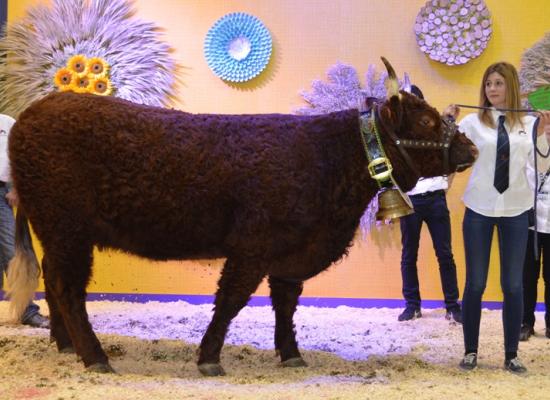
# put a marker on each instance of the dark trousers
(430, 208)
(512, 239)
(531, 273)
(7, 244)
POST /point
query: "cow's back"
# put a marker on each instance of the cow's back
(167, 184)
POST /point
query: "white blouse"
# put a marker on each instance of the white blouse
(6, 122)
(480, 195)
(425, 185)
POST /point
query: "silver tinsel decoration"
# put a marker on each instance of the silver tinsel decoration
(535, 67)
(343, 90)
(35, 47)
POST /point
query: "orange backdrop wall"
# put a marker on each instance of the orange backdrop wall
(308, 37)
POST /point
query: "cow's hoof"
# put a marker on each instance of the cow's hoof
(210, 369)
(294, 362)
(67, 350)
(101, 368)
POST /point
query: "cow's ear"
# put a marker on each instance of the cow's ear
(396, 105)
(386, 115)
(391, 113)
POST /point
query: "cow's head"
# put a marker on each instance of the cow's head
(419, 142)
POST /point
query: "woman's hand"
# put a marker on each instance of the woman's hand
(450, 180)
(12, 198)
(452, 111)
(544, 124)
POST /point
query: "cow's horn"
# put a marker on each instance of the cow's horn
(406, 83)
(392, 84)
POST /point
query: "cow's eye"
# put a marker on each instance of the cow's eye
(425, 121)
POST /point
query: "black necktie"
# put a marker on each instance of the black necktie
(502, 165)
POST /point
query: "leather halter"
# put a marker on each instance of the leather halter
(450, 129)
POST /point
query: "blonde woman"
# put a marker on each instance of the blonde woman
(497, 195)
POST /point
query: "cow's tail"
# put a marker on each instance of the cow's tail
(23, 269)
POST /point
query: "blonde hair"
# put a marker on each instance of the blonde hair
(510, 75)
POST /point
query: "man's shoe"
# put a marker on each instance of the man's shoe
(409, 313)
(548, 333)
(455, 314)
(515, 365)
(469, 362)
(37, 321)
(526, 332)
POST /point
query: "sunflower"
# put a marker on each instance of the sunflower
(63, 79)
(101, 86)
(81, 85)
(78, 64)
(98, 67)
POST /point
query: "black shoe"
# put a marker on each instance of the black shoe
(548, 333)
(455, 314)
(469, 362)
(515, 365)
(526, 332)
(37, 321)
(409, 313)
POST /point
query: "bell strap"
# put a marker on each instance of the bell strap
(379, 165)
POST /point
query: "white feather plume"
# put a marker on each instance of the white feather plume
(33, 48)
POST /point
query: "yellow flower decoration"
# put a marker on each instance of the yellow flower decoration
(81, 85)
(98, 67)
(63, 79)
(101, 86)
(78, 64)
(83, 75)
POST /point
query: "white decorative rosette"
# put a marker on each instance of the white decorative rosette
(453, 32)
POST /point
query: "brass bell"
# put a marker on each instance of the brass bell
(391, 204)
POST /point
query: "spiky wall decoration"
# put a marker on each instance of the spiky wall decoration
(343, 91)
(535, 66)
(35, 48)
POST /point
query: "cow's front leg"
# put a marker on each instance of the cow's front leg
(238, 281)
(284, 298)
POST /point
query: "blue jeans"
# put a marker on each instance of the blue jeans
(512, 239)
(7, 247)
(430, 208)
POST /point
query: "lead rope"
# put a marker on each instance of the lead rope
(537, 188)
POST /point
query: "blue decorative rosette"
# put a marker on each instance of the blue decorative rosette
(237, 47)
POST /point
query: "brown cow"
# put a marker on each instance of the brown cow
(277, 195)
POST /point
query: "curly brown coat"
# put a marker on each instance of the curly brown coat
(277, 195)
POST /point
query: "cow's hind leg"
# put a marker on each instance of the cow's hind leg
(238, 281)
(68, 271)
(58, 332)
(284, 298)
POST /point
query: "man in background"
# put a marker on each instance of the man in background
(8, 199)
(430, 206)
